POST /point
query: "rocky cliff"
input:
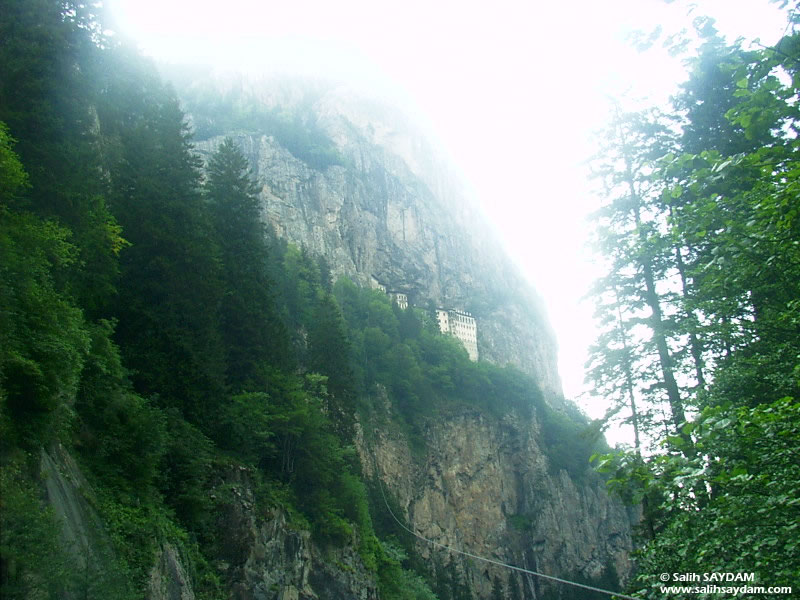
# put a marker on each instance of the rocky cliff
(95, 571)
(485, 486)
(394, 213)
(387, 211)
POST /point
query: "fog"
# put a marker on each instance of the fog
(513, 92)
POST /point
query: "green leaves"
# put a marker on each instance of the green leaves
(719, 490)
(43, 338)
(254, 337)
(747, 521)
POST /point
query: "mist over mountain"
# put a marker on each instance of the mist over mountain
(257, 341)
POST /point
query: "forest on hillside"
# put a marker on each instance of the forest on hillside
(700, 313)
(152, 326)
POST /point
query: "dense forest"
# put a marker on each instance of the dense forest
(156, 330)
(700, 310)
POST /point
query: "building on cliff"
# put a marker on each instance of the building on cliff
(377, 285)
(462, 325)
(399, 298)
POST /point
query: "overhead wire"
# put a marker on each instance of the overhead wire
(490, 560)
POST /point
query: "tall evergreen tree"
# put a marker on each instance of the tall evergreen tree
(730, 191)
(329, 353)
(171, 288)
(253, 334)
(633, 231)
(47, 96)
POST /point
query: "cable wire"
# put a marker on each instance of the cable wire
(489, 560)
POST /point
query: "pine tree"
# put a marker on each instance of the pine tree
(47, 95)
(171, 287)
(633, 232)
(329, 353)
(253, 334)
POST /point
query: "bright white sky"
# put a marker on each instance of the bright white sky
(512, 88)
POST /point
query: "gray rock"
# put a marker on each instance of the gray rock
(479, 476)
(399, 214)
(267, 559)
(168, 578)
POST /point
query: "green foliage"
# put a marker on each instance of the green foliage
(36, 561)
(719, 490)
(300, 278)
(150, 324)
(570, 442)
(255, 339)
(171, 289)
(748, 523)
(43, 341)
(46, 95)
(329, 352)
(136, 531)
(246, 427)
(33, 562)
(397, 583)
(13, 178)
(184, 472)
(121, 434)
(428, 375)
(521, 522)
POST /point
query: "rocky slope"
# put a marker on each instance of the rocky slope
(485, 486)
(259, 554)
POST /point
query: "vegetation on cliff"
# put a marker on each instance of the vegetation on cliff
(151, 325)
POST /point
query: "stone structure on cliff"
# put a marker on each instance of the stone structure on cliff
(400, 298)
(395, 212)
(462, 325)
(458, 323)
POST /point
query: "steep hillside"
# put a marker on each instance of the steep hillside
(197, 406)
(386, 213)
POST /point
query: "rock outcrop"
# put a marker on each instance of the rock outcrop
(168, 578)
(485, 486)
(96, 572)
(260, 555)
(266, 559)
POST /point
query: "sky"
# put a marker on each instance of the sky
(513, 90)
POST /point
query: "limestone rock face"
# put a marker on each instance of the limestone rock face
(261, 556)
(399, 215)
(485, 487)
(85, 537)
(265, 559)
(168, 578)
(66, 492)
(393, 213)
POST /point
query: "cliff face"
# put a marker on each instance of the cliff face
(265, 559)
(390, 212)
(95, 570)
(259, 554)
(397, 214)
(485, 486)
